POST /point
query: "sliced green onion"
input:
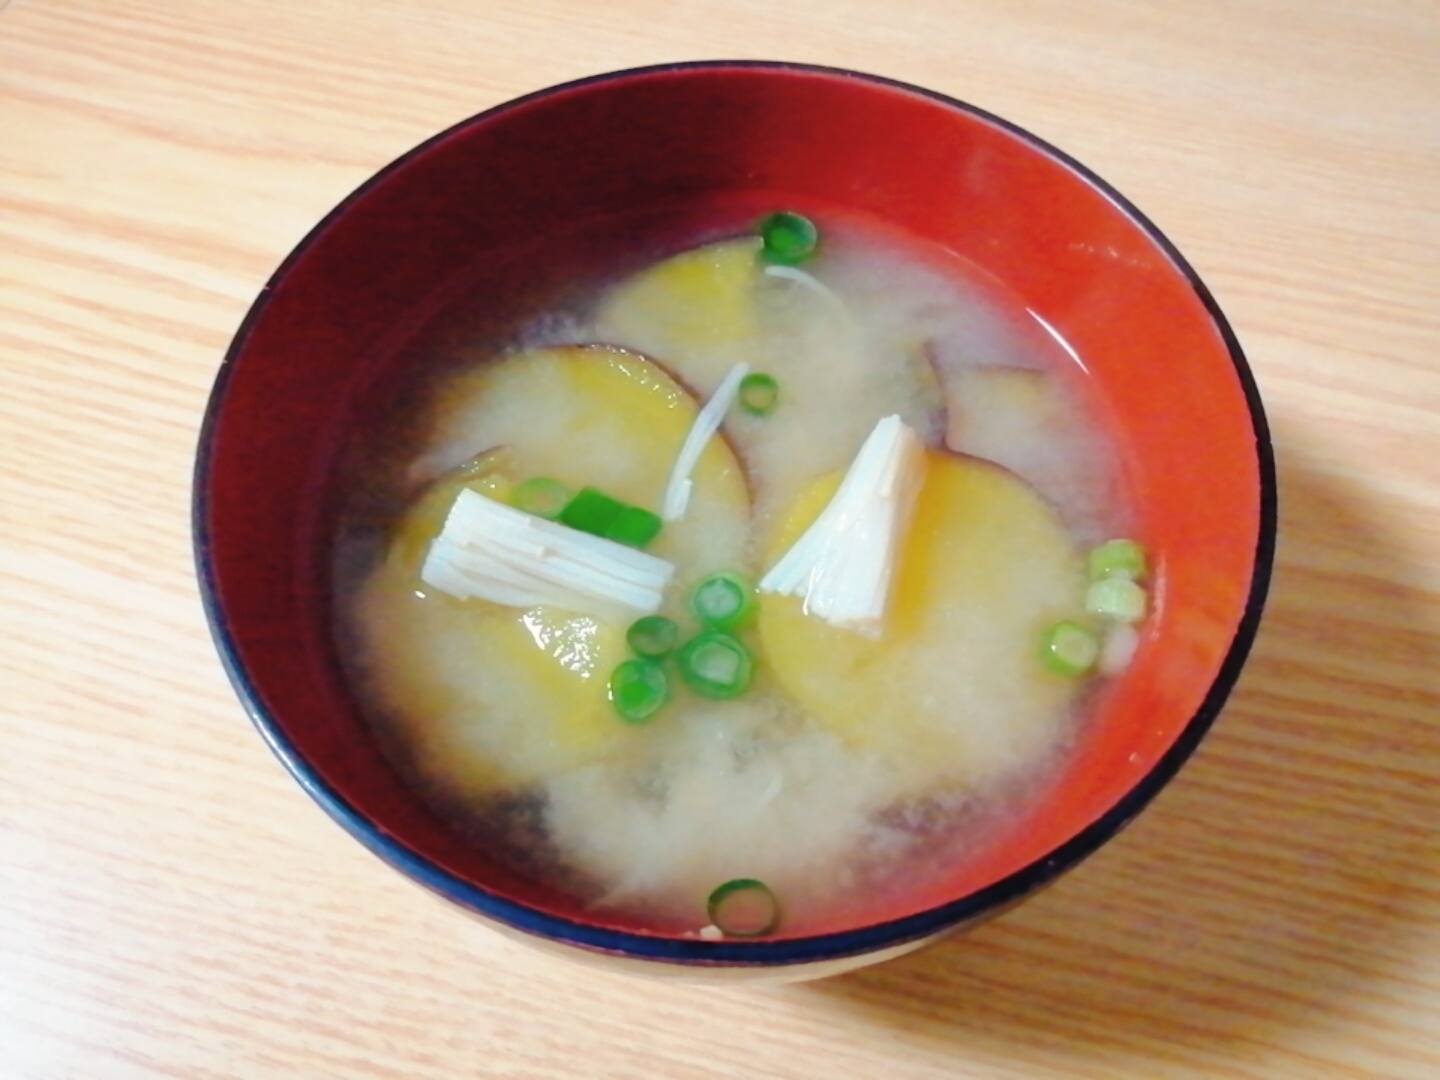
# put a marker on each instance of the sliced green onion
(638, 688)
(654, 636)
(715, 665)
(1117, 558)
(1116, 598)
(789, 238)
(724, 601)
(542, 496)
(743, 908)
(634, 526)
(758, 394)
(591, 511)
(1070, 649)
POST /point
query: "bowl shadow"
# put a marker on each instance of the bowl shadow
(1278, 887)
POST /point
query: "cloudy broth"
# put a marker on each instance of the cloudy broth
(854, 767)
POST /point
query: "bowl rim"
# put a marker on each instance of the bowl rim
(755, 954)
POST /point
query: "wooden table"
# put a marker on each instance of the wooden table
(171, 905)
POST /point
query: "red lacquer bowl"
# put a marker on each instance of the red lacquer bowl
(580, 168)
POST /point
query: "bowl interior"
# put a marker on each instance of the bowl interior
(581, 171)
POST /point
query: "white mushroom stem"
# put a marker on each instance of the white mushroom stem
(811, 282)
(843, 566)
(707, 422)
(490, 551)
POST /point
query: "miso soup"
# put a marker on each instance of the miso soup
(740, 591)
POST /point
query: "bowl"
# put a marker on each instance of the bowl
(570, 172)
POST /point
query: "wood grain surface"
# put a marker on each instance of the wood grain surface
(172, 905)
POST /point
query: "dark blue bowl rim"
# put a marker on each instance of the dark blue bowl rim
(761, 953)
